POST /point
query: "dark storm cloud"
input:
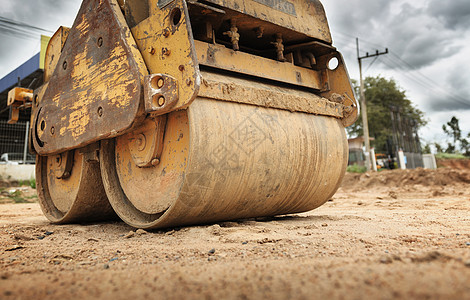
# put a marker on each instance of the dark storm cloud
(455, 95)
(46, 14)
(441, 103)
(419, 38)
(40, 13)
(455, 14)
(414, 33)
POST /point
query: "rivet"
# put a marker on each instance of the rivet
(100, 111)
(152, 50)
(161, 101)
(64, 65)
(155, 161)
(52, 130)
(166, 32)
(160, 83)
(181, 68)
(140, 142)
(188, 81)
(100, 41)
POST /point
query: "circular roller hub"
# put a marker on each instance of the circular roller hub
(223, 161)
(70, 189)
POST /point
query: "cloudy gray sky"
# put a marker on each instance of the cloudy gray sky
(428, 40)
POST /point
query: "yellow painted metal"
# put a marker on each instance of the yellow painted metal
(235, 89)
(42, 54)
(339, 83)
(221, 57)
(228, 161)
(166, 43)
(146, 142)
(79, 197)
(307, 17)
(18, 98)
(90, 88)
(245, 136)
(53, 50)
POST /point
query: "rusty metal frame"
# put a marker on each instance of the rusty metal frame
(95, 91)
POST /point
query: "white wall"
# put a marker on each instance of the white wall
(17, 172)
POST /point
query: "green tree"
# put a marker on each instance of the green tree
(450, 148)
(427, 149)
(465, 145)
(452, 129)
(438, 148)
(382, 94)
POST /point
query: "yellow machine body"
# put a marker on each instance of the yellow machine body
(182, 112)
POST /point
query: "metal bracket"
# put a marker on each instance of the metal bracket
(91, 152)
(162, 3)
(18, 98)
(146, 144)
(62, 164)
(161, 93)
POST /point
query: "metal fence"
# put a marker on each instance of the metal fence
(14, 143)
(413, 160)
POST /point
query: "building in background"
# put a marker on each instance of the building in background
(356, 151)
(13, 137)
(405, 138)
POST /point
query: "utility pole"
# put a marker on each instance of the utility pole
(365, 124)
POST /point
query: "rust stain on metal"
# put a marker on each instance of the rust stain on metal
(220, 57)
(173, 151)
(169, 30)
(105, 76)
(238, 90)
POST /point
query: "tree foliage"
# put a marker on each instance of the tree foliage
(427, 149)
(452, 129)
(382, 95)
(465, 145)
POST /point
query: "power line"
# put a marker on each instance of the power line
(22, 25)
(365, 126)
(418, 77)
(427, 83)
(433, 83)
(20, 30)
(424, 84)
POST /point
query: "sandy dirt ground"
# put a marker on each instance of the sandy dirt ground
(394, 234)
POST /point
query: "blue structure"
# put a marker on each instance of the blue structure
(29, 74)
(22, 72)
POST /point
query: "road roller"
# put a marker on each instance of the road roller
(179, 112)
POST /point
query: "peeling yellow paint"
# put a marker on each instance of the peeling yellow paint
(78, 119)
(83, 26)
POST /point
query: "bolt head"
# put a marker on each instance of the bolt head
(161, 101)
(140, 142)
(160, 83)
